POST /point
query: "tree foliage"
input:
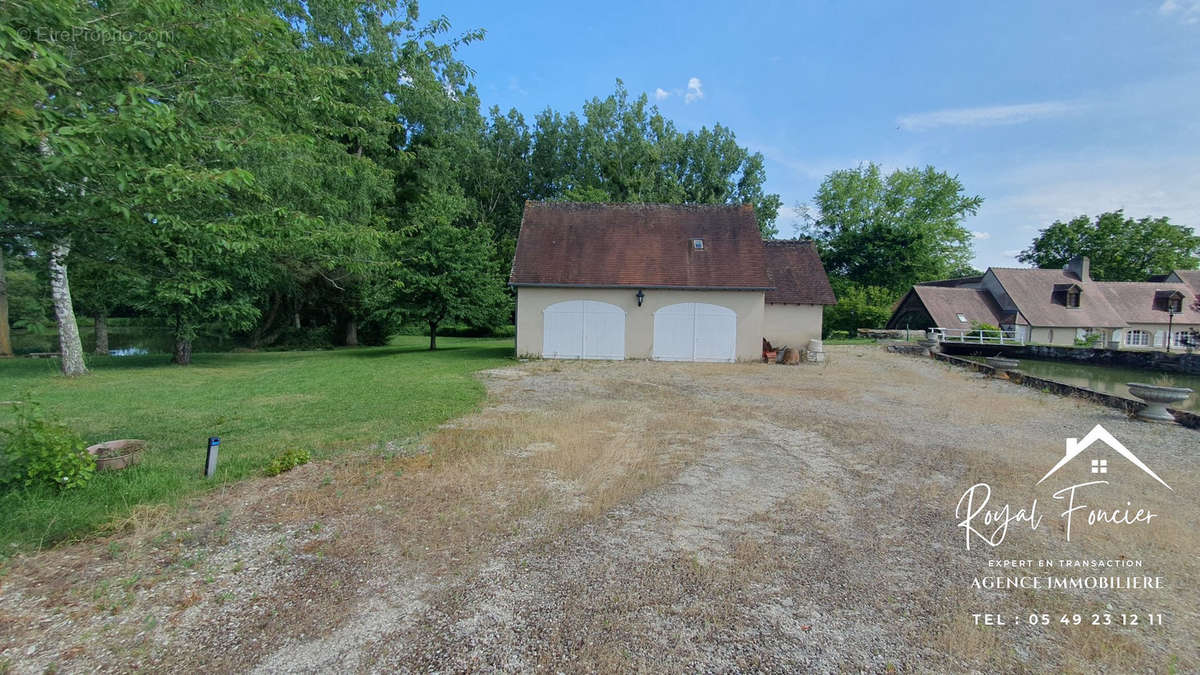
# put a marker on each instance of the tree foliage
(858, 307)
(1120, 248)
(447, 275)
(287, 170)
(896, 230)
(621, 149)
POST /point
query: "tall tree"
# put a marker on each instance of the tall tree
(893, 231)
(447, 274)
(1120, 248)
(624, 150)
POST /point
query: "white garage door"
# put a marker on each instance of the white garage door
(583, 329)
(694, 331)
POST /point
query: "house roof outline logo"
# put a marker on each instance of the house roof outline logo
(1099, 433)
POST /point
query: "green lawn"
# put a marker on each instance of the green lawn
(259, 404)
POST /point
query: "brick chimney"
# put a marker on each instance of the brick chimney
(1081, 267)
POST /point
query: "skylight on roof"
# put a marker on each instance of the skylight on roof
(962, 317)
(698, 244)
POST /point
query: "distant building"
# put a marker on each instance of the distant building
(1058, 307)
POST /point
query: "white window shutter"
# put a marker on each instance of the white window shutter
(1158, 338)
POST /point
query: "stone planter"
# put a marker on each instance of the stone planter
(928, 344)
(114, 455)
(1001, 366)
(1156, 399)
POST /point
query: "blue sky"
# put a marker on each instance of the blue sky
(1046, 109)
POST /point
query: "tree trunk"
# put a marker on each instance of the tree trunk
(183, 352)
(5, 338)
(432, 336)
(296, 320)
(69, 344)
(256, 338)
(102, 333)
(351, 333)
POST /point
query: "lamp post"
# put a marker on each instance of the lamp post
(1170, 326)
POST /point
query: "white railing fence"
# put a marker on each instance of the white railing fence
(975, 336)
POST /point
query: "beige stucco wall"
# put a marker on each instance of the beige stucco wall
(1061, 336)
(791, 325)
(1152, 328)
(1065, 337)
(639, 321)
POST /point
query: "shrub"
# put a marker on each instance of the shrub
(858, 307)
(38, 451)
(979, 328)
(286, 461)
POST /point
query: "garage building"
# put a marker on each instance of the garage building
(660, 281)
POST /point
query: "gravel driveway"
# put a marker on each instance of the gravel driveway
(647, 516)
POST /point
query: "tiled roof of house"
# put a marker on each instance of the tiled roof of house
(794, 268)
(944, 304)
(1191, 278)
(1145, 301)
(1040, 295)
(639, 245)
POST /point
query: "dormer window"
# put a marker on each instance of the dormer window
(1168, 301)
(698, 244)
(1073, 298)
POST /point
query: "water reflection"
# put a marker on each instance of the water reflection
(1110, 379)
(129, 351)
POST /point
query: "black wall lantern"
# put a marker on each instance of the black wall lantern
(640, 296)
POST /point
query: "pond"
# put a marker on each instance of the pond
(1110, 379)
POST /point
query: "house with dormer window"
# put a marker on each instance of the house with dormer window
(1062, 307)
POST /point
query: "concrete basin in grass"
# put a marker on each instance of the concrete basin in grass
(114, 455)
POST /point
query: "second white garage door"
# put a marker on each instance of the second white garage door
(695, 331)
(583, 329)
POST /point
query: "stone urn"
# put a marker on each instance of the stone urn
(1001, 366)
(1157, 398)
(114, 455)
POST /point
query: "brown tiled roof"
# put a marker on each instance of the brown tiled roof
(795, 270)
(1144, 301)
(969, 282)
(1040, 297)
(944, 304)
(1191, 278)
(639, 245)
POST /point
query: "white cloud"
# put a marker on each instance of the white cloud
(981, 235)
(694, 92)
(1188, 11)
(986, 116)
(661, 94)
(1029, 197)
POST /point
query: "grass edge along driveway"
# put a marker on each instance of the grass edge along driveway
(259, 404)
